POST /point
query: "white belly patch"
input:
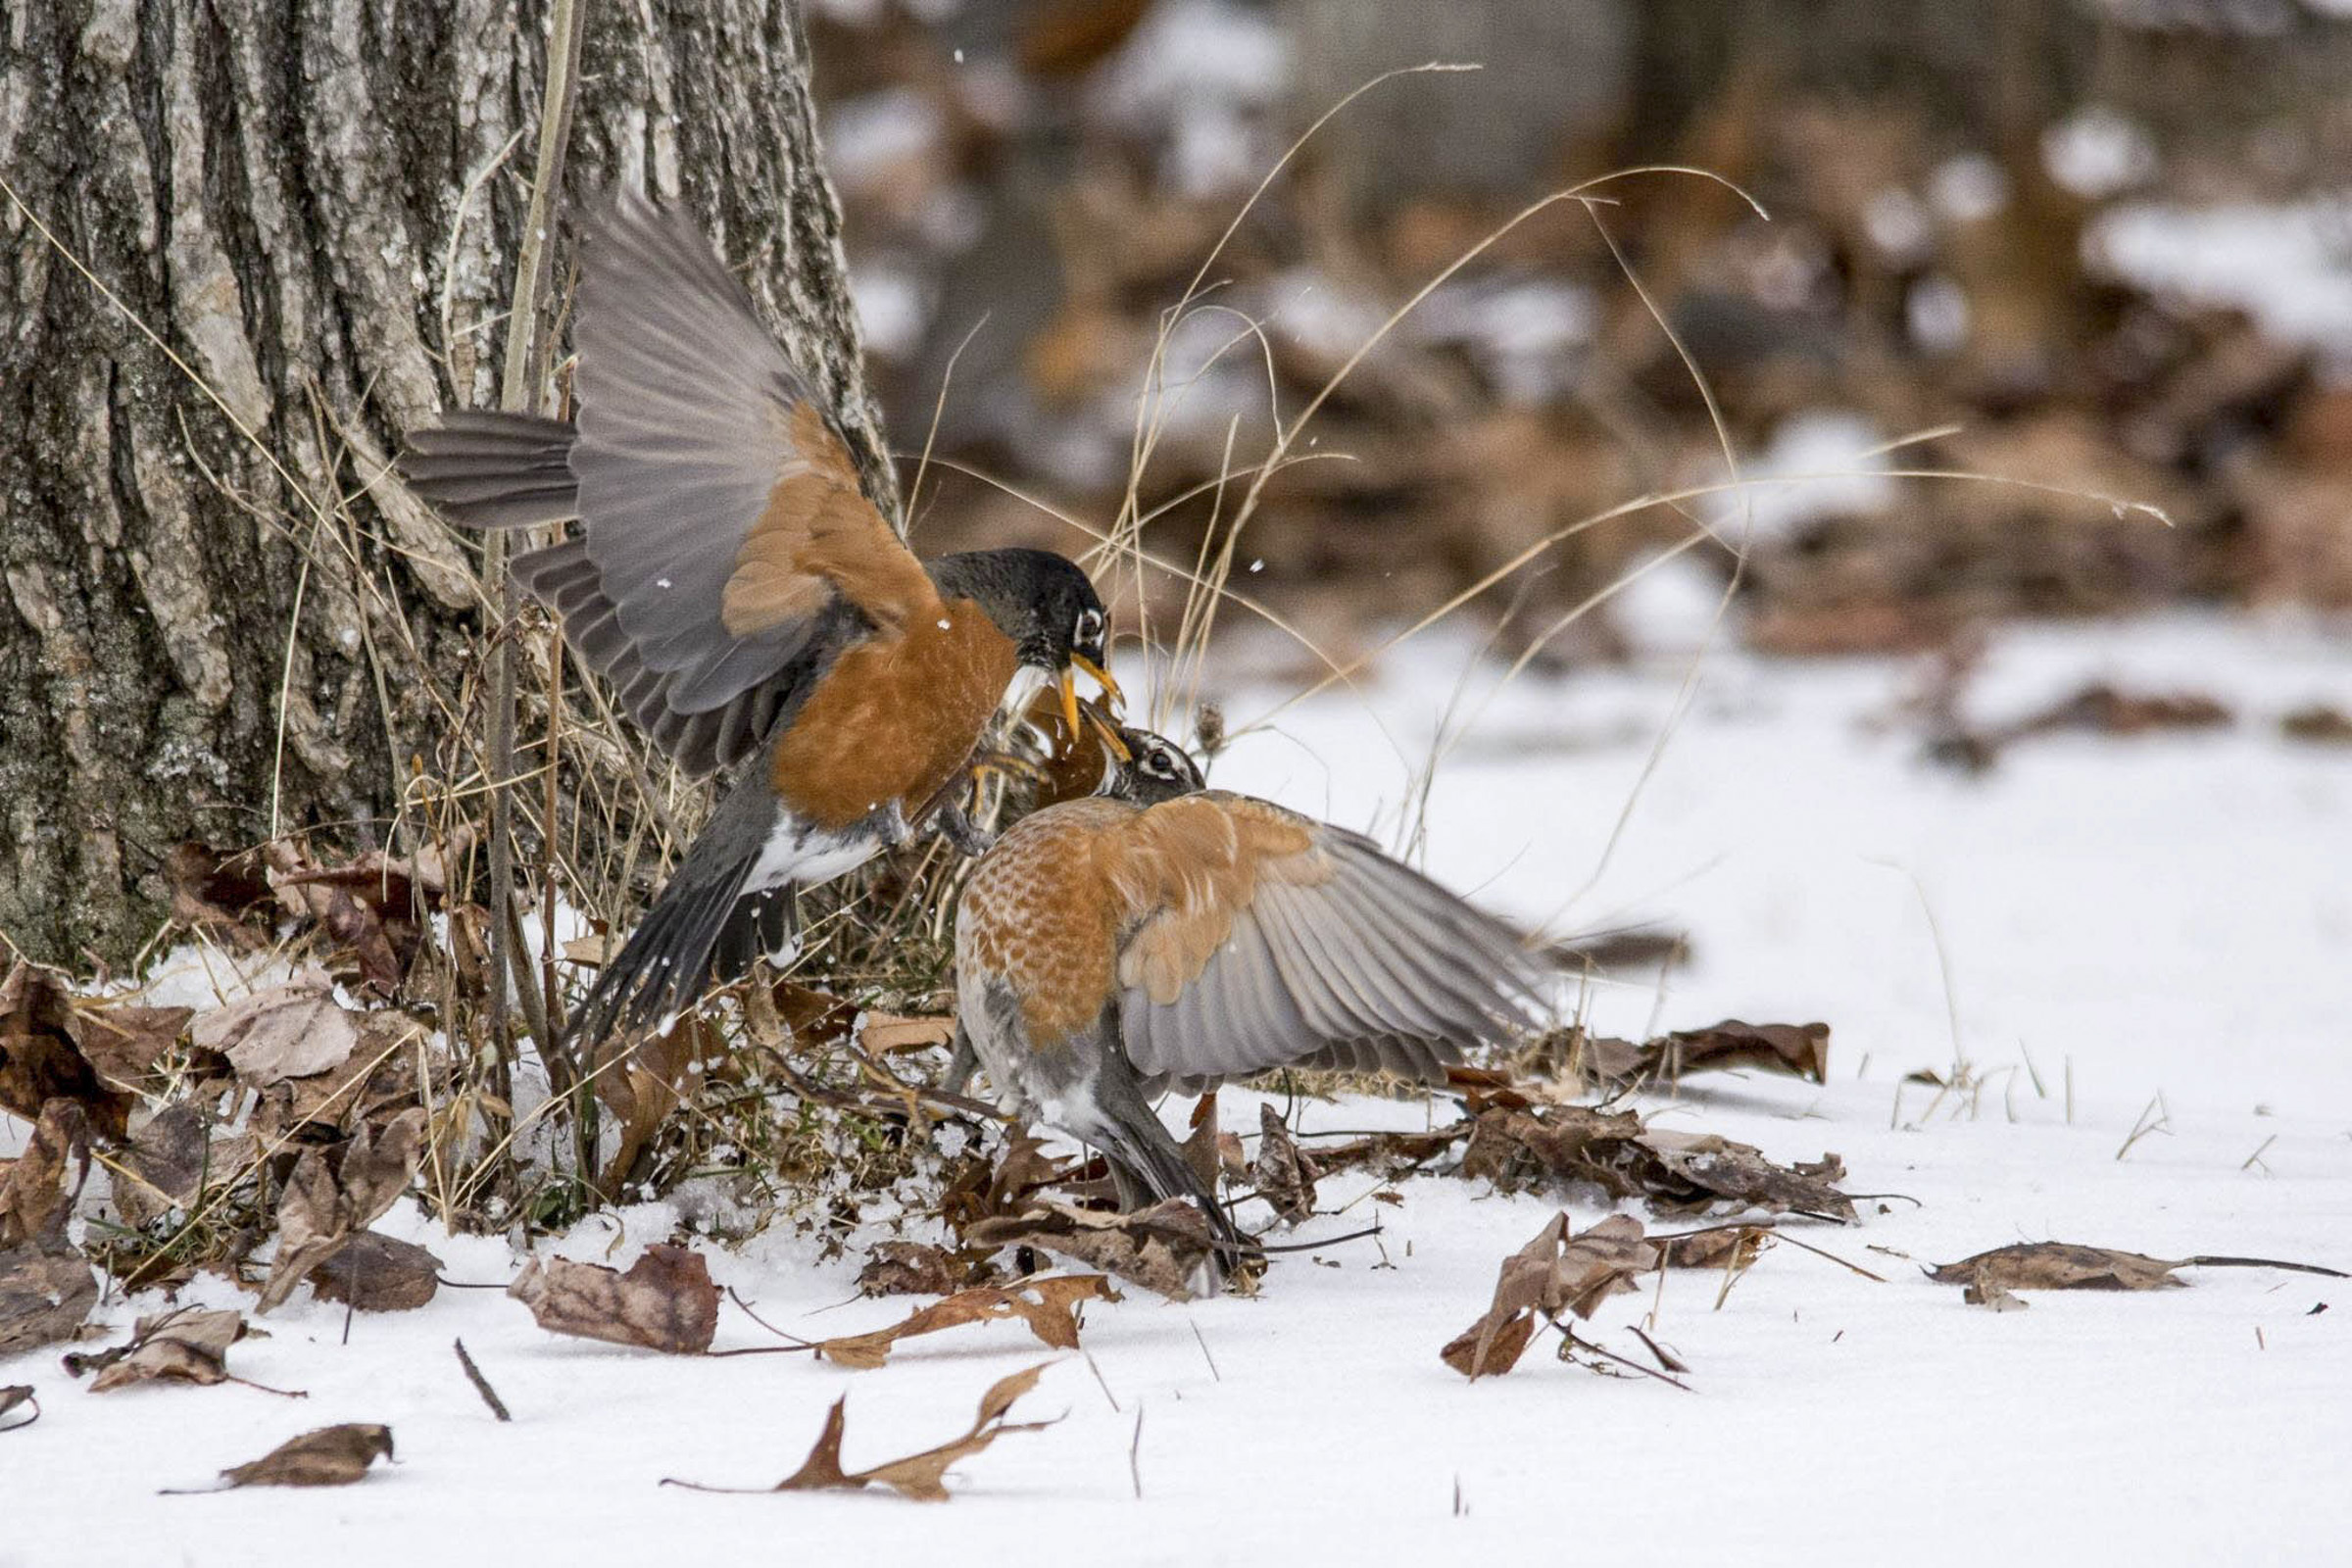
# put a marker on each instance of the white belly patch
(807, 856)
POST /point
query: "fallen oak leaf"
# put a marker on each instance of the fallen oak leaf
(665, 1302)
(1554, 1273)
(1284, 1176)
(189, 1345)
(33, 1197)
(375, 1273)
(330, 1456)
(336, 1194)
(13, 1396)
(2069, 1266)
(919, 1475)
(293, 1030)
(1049, 1307)
(1163, 1247)
(39, 1059)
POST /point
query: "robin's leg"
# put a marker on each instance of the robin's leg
(962, 1062)
(956, 826)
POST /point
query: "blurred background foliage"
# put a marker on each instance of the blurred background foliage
(2107, 242)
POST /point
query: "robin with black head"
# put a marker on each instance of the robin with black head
(1156, 935)
(746, 600)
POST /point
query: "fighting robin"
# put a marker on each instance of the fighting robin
(746, 600)
(1158, 935)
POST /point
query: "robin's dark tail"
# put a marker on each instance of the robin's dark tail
(487, 470)
(702, 933)
(1129, 1133)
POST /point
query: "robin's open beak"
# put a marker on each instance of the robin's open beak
(1109, 733)
(1069, 706)
(1110, 688)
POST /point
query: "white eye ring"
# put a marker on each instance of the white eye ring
(1090, 626)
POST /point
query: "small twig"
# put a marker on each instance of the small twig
(1204, 1355)
(1820, 1251)
(1666, 1359)
(798, 1343)
(2255, 1158)
(1104, 1383)
(1603, 1350)
(481, 1383)
(1135, 1450)
(2267, 1263)
(264, 1388)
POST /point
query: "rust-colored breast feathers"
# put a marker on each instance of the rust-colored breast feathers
(1038, 917)
(895, 716)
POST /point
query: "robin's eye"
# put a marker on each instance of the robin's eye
(1089, 630)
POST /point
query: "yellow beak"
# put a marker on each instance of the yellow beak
(1109, 733)
(1069, 706)
(1110, 688)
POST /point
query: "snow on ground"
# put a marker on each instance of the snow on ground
(2163, 915)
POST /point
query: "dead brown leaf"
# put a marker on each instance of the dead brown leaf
(378, 1274)
(655, 1075)
(1799, 1050)
(214, 893)
(165, 1166)
(46, 1289)
(909, 1268)
(2317, 723)
(1731, 1247)
(335, 1194)
(39, 1060)
(1675, 1171)
(13, 1396)
(1161, 1249)
(665, 1302)
(293, 1030)
(122, 1042)
(331, 1456)
(888, 1033)
(2059, 1266)
(920, 1476)
(186, 1345)
(1552, 1274)
(1285, 1177)
(1049, 1307)
(34, 1196)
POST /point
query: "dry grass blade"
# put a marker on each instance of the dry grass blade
(919, 1475)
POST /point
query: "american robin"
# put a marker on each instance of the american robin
(746, 600)
(1156, 935)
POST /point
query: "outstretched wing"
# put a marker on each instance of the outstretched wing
(1261, 937)
(723, 535)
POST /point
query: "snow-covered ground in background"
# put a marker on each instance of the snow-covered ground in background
(2168, 915)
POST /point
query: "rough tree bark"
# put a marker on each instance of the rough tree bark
(315, 205)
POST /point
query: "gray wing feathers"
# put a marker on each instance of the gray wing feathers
(1374, 967)
(564, 578)
(683, 396)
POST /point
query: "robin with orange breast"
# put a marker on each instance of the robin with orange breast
(746, 600)
(1158, 935)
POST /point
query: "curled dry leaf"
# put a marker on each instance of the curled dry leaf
(1731, 1247)
(335, 1194)
(657, 1075)
(46, 1286)
(331, 1456)
(34, 1196)
(920, 1476)
(2059, 1266)
(165, 1164)
(1049, 1307)
(2318, 723)
(1163, 1249)
(378, 1274)
(284, 1031)
(12, 1397)
(39, 1059)
(1552, 1274)
(1799, 1050)
(665, 1302)
(186, 1345)
(214, 893)
(1285, 1177)
(1677, 1172)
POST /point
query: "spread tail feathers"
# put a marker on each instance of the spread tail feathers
(488, 470)
(704, 932)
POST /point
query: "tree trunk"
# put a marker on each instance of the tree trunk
(221, 618)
